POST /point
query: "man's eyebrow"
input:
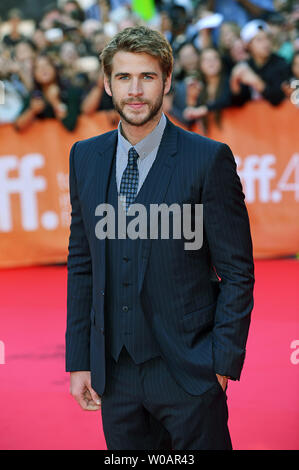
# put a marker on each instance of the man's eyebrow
(149, 73)
(120, 74)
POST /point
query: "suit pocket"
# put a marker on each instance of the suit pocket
(200, 319)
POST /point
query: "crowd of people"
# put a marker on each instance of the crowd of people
(226, 53)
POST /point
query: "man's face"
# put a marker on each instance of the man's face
(260, 45)
(136, 86)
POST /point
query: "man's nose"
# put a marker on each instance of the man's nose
(135, 88)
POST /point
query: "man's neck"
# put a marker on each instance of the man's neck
(135, 134)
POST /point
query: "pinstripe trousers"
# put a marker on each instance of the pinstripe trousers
(143, 408)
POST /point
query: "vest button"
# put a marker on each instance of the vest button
(126, 259)
(125, 308)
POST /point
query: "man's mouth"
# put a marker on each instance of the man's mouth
(136, 105)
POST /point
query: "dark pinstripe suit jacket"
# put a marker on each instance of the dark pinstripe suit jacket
(200, 323)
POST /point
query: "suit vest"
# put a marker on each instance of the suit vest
(125, 322)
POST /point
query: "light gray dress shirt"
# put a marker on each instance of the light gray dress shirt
(147, 150)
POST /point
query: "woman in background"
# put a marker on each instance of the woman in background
(215, 93)
(49, 98)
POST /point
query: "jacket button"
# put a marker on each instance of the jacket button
(125, 308)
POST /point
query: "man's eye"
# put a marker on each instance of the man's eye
(148, 77)
(123, 77)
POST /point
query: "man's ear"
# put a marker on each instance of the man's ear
(107, 87)
(167, 85)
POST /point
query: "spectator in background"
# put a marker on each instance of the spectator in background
(24, 54)
(178, 20)
(51, 17)
(165, 25)
(229, 33)
(264, 72)
(183, 94)
(49, 98)
(278, 30)
(39, 39)
(242, 11)
(73, 44)
(215, 94)
(101, 8)
(231, 46)
(97, 42)
(14, 36)
(16, 65)
(73, 9)
(291, 86)
(187, 61)
(75, 70)
(237, 53)
(97, 99)
(10, 109)
(13, 102)
(295, 67)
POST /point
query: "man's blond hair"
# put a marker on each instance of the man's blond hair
(139, 39)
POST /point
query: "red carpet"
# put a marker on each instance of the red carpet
(37, 411)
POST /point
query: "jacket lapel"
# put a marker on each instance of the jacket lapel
(104, 163)
(160, 174)
(103, 171)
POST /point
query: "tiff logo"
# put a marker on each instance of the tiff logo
(295, 95)
(26, 185)
(258, 172)
(2, 353)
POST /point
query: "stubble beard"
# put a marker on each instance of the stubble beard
(154, 108)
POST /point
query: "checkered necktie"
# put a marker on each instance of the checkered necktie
(129, 180)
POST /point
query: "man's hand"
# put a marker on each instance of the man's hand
(223, 381)
(81, 390)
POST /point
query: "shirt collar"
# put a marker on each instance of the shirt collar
(146, 145)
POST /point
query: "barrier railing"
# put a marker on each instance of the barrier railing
(34, 193)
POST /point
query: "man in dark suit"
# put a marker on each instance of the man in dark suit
(154, 330)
